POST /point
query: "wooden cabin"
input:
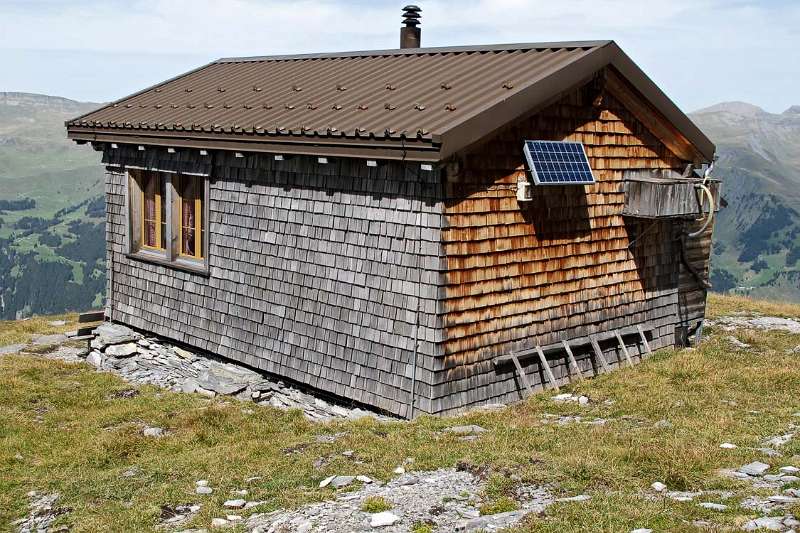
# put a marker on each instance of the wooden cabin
(367, 224)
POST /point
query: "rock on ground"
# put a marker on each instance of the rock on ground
(713, 506)
(769, 523)
(109, 333)
(756, 468)
(465, 430)
(447, 499)
(152, 361)
(42, 340)
(767, 323)
(11, 349)
(43, 512)
(154, 432)
(386, 518)
(122, 350)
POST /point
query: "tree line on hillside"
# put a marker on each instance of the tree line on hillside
(43, 287)
(31, 283)
(23, 204)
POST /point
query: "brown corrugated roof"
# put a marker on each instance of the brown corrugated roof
(426, 102)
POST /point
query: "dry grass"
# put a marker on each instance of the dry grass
(75, 438)
(719, 305)
(21, 331)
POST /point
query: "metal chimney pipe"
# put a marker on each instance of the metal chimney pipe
(410, 34)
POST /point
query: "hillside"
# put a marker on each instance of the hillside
(51, 205)
(703, 439)
(51, 209)
(757, 237)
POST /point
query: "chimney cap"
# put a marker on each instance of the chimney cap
(411, 15)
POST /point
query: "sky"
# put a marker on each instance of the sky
(700, 52)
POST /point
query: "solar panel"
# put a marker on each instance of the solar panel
(558, 163)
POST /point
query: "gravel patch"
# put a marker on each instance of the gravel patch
(766, 323)
(447, 500)
(144, 360)
(43, 512)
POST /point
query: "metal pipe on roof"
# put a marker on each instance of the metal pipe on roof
(410, 34)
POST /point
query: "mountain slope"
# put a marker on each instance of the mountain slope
(51, 209)
(757, 237)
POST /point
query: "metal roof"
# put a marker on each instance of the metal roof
(422, 104)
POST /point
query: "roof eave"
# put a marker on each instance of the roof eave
(653, 93)
(407, 150)
(458, 136)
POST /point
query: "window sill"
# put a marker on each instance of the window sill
(186, 265)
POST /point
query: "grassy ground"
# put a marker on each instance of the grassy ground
(21, 331)
(63, 429)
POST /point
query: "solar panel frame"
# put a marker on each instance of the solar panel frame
(558, 163)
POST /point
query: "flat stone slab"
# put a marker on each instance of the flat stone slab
(123, 350)
(778, 440)
(235, 504)
(212, 382)
(767, 522)
(493, 521)
(341, 481)
(95, 359)
(713, 506)
(756, 468)
(578, 498)
(109, 333)
(154, 432)
(42, 340)
(465, 430)
(11, 348)
(386, 518)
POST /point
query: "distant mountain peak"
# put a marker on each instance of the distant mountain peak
(735, 108)
(794, 110)
(43, 101)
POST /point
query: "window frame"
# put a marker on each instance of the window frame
(171, 256)
(200, 219)
(159, 201)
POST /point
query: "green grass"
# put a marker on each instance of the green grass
(421, 527)
(375, 504)
(62, 430)
(500, 505)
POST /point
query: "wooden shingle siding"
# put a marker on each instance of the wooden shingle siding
(315, 272)
(692, 299)
(562, 266)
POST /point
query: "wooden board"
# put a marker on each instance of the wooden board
(623, 348)
(546, 367)
(572, 362)
(91, 316)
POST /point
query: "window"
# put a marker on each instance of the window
(168, 218)
(190, 193)
(154, 222)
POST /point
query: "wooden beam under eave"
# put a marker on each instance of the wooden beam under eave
(397, 151)
(651, 118)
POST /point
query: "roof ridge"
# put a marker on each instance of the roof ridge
(422, 51)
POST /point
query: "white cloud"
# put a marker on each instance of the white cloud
(700, 51)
